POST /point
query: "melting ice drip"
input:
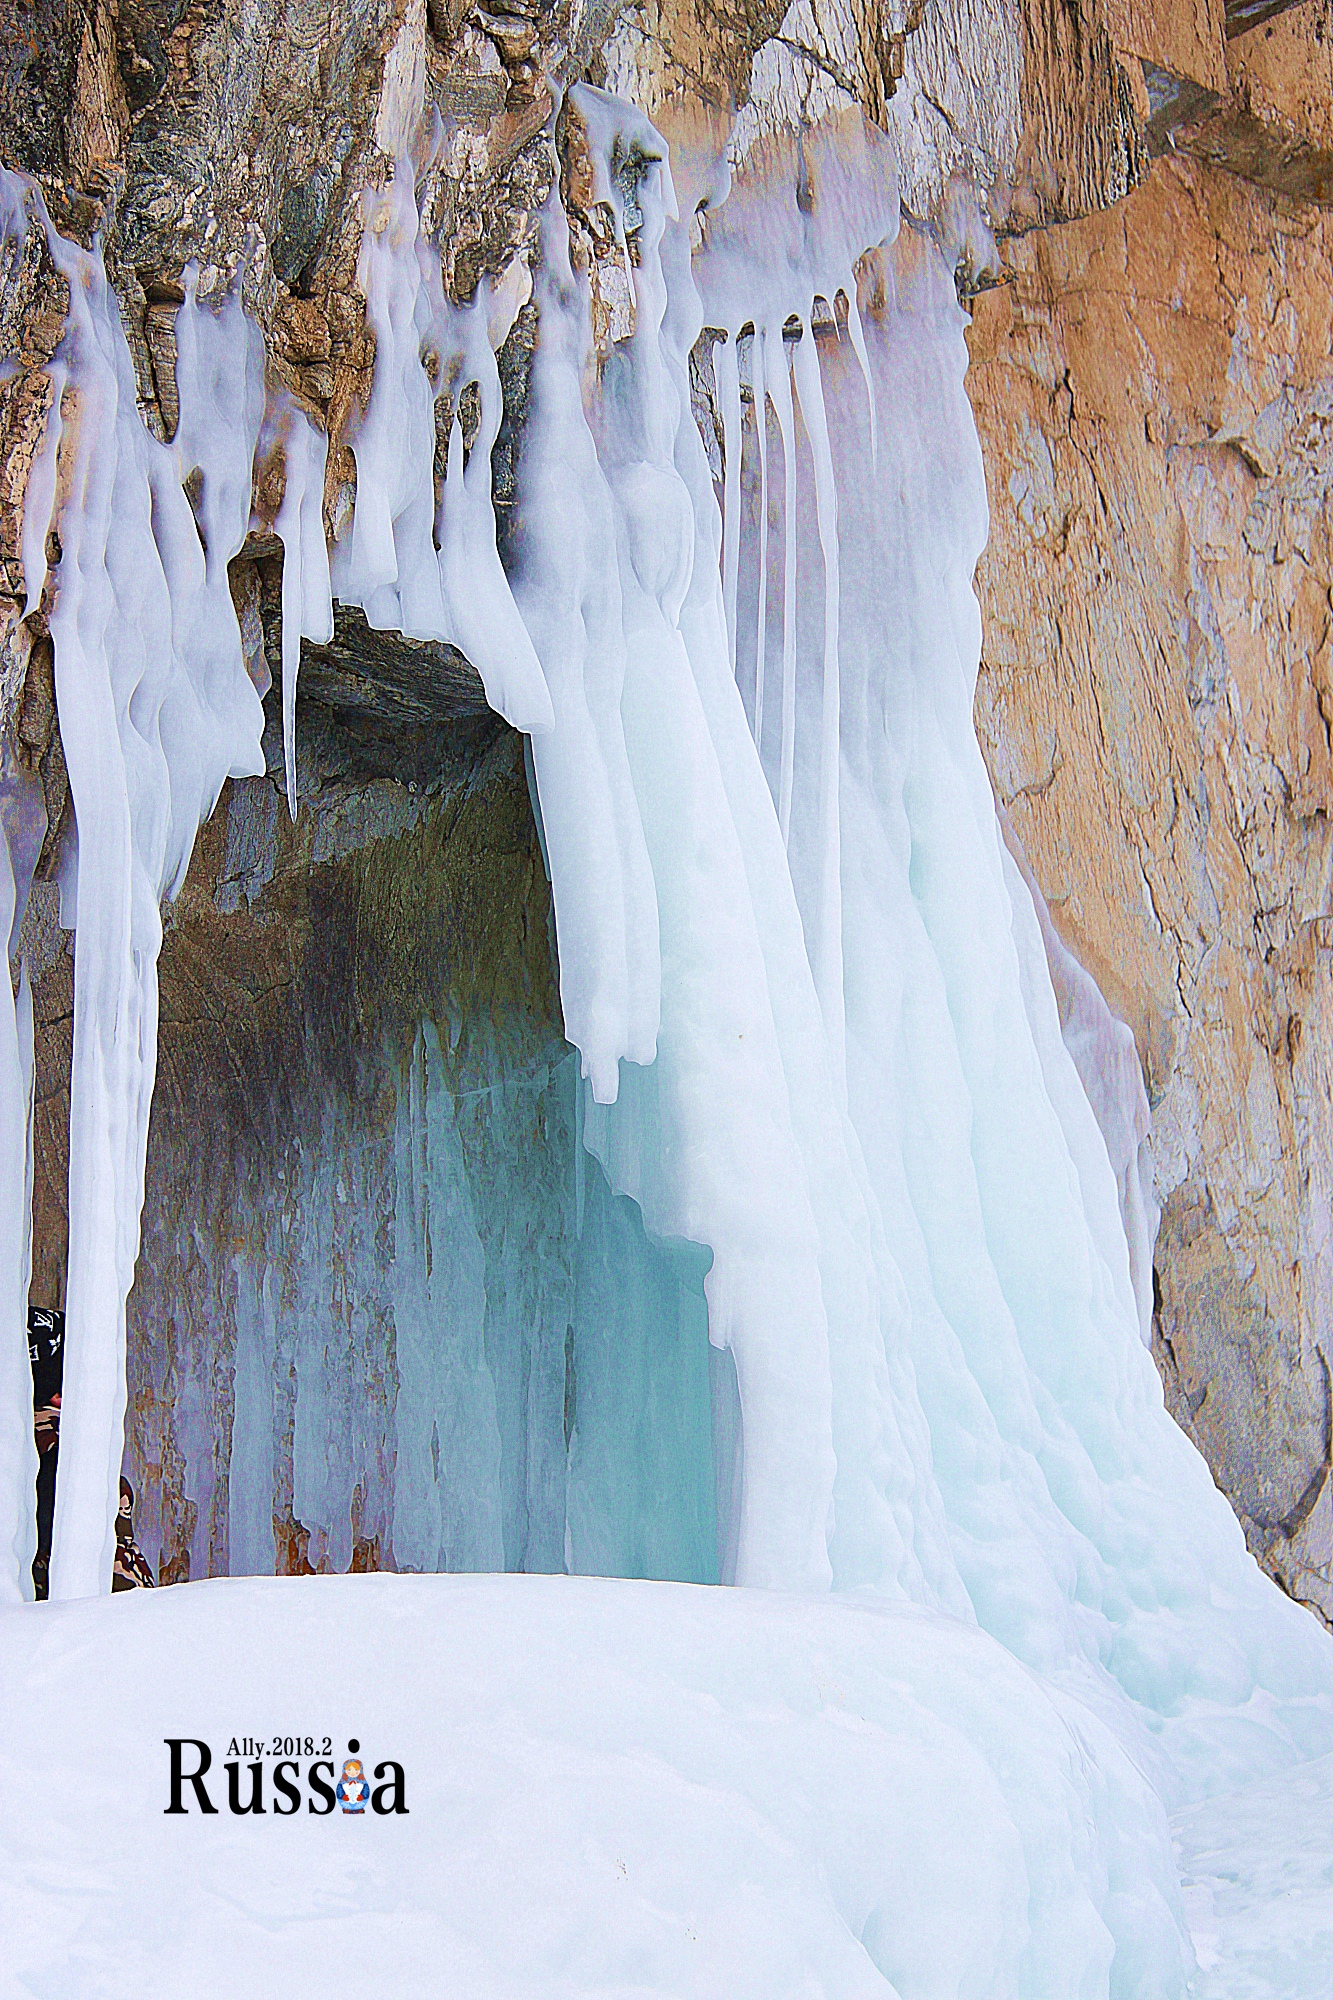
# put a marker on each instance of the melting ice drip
(807, 981)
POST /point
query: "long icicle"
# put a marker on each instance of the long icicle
(18, 1455)
(307, 607)
(828, 944)
(776, 369)
(726, 362)
(759, 388)
(857, 335)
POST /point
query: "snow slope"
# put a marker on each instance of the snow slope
(613, 1788)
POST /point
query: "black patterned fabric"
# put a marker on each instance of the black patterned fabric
(131, 1570)
(46, 1352)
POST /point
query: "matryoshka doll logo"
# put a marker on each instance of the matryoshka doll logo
(352, 1790)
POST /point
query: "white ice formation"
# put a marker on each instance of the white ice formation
(156, 712)
(808, 983)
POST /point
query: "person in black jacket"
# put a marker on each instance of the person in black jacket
(46, 1352)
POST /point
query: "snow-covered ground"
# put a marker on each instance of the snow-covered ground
(613, 1788)
(1257, 1869)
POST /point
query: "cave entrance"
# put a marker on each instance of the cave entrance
(388, 1312)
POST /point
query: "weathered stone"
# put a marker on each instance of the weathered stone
(1155, 400)
(1267, 115)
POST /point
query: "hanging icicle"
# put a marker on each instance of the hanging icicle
(155, 711)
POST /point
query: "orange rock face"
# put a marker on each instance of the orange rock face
(1155, 398)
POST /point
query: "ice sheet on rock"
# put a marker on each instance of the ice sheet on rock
(1081, 1522)
(447, 1501)
(643, 1483)
(815, 1019)
(1107, 1062)
(445, 1344)
(954, 1315)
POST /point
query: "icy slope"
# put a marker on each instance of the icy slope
(1257, 1876)
(613, 1788)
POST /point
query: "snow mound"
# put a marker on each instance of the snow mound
(612, 1788)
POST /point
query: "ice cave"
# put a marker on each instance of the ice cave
(606, 1226)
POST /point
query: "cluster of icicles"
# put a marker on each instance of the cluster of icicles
(806, 977)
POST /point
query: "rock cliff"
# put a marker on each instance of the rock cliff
(1154, 393)
(1136, 200)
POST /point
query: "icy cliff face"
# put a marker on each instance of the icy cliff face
(816, 1026)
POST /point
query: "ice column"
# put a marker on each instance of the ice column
(735, 1138)
(155, 710)
(570, 596)
(307, 601)
(18, 1455)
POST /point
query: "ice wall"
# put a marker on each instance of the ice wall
(405, 1323)
(861, 1087)
(814, 1012)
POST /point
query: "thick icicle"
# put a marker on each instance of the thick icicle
(727, 370)
(759, 390)
(779, 390)
(827, 954)
(18, 1454)
(39, 498)
(22, 827)
(386, 562)
(307, 603)
(482, 617)
(570, 596)
(155, 710)
(856, 334)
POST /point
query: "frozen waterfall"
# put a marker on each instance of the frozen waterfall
(807, 981)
